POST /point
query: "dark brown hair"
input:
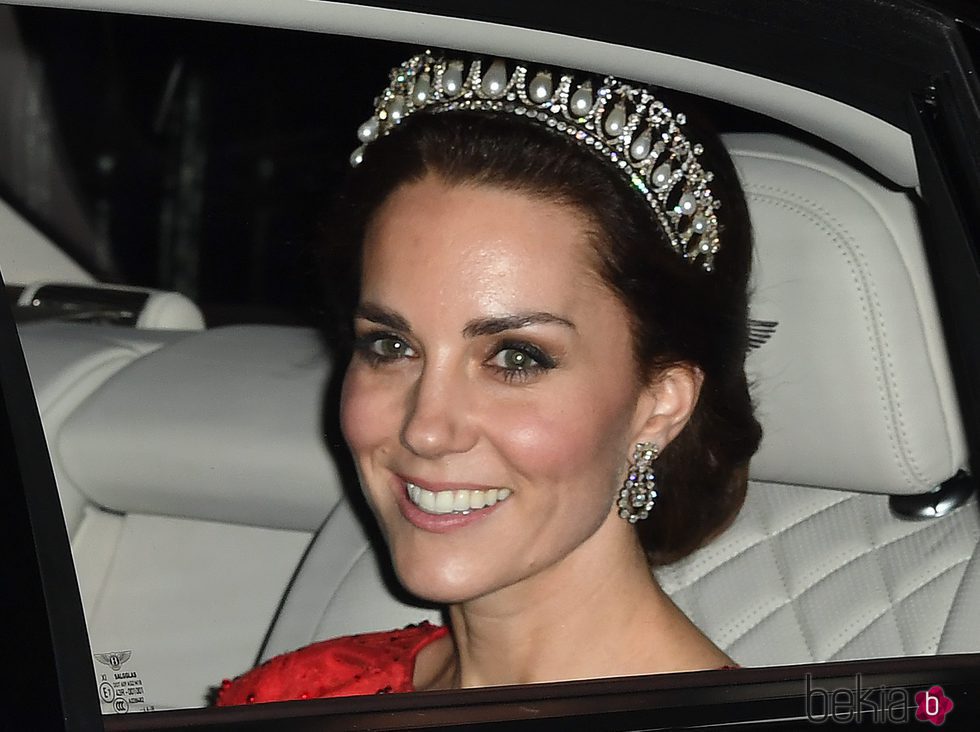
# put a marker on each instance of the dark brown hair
(680, 314)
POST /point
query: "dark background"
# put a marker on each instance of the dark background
(204, 156)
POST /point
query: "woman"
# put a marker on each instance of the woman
(547, 391)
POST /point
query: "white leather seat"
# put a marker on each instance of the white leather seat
(855, 395)
(193, 474)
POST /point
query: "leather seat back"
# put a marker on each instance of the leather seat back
(193, 475)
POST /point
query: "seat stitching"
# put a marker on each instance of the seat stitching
(870, 305)
(782, 580)
(889, 226)
(923, 585)
(794, 598)
(894, 604)
(768, 535)
(974, 558)
(787, 601)
(884, 580)
(866, 552)
(804, 591)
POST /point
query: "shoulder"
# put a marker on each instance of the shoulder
(369, 663)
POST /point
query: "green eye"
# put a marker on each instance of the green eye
(381, 348)
(520, 361)
(515, 360)
(390, 348)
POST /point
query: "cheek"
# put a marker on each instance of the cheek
(368, 412)
(543, 441)
(574, 439)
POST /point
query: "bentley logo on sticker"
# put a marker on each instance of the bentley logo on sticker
(122, 690)
(114, 660)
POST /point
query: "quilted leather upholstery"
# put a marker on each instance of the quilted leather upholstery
(808, 575)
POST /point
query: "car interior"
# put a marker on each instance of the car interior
(212, 528)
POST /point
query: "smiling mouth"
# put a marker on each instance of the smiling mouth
(457, 501)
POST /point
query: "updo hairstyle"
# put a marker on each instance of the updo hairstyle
(679, 314)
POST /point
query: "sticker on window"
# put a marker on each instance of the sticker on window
(120, 688)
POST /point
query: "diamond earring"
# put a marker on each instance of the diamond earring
(639, 490)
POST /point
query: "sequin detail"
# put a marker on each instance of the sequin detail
(371, 663)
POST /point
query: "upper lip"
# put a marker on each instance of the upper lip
(435, 486)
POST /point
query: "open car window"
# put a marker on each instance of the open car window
(165, 199)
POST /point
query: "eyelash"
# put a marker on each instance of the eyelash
(364, 346)
(540, 361)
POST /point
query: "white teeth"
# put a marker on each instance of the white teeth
(456, 501)
(444, 502)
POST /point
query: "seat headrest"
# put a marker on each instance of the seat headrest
(222, 425)
(850, 374)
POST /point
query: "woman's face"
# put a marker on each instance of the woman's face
(491, 367)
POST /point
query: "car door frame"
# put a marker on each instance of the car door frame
(52, 679)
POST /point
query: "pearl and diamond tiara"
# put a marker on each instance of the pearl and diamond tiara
(626, 125)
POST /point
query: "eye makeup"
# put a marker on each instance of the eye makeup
(519, 360)
(378, 347)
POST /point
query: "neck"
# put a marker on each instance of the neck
(599, 612)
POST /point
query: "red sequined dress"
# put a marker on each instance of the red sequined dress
(371, 663)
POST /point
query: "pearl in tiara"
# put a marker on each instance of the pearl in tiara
(626, 125)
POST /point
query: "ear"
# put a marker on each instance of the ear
(666, 404)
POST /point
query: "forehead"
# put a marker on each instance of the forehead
(480, 243)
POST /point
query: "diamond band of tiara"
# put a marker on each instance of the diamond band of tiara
(626, 125)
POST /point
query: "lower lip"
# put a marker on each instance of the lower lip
(441, 523)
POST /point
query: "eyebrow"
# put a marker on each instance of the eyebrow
(492, 326)
(472, 329)
(382, 316)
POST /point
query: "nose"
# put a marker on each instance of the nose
(438, 421)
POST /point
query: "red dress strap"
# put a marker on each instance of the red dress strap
(371, 663)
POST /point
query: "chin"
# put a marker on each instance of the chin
(447, 581)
